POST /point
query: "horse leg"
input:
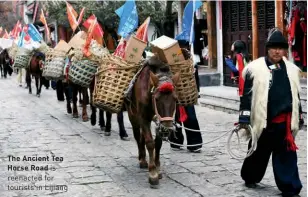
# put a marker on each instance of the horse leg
(108, 124)
(158, 145)
(41, 83)
(37, 86)
(149, 142)
(68, 98)
(123, 133)
(102, 120)
(1, 70)
(75, 92)
(80, 100)
(85, 96)
(5, 69)
(28, 81)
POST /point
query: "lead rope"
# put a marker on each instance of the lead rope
(236, 130)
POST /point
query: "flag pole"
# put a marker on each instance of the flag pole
(192, 30)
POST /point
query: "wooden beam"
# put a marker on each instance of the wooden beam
(279, 15)
(211, 36)
(255, 47)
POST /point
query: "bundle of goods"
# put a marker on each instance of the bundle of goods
(44, 48)
(180, 61)
(54, 65)
(112, 79)
(13, 50)
(22, 58)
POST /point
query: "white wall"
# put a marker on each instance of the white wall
(219, 38)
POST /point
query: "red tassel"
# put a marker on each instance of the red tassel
(183, 115)
(291, 146)
(166, 87)
(239, 59)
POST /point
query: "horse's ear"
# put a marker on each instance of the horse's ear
(154, 79)
(176, 78)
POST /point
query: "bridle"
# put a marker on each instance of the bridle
(154, 92)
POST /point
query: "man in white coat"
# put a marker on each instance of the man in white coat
(271, 105)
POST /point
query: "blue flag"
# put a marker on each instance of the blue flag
(21, 39)
(187, 22)
(128, 18)
(34, 33)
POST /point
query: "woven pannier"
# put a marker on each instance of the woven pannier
(187, 87)
(112, 79)
(12, 51)
(22, 58)
(81, 72)
(54, 65)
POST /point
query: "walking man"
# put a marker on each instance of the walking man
(271, 104)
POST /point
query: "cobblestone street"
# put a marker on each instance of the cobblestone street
(95, 165)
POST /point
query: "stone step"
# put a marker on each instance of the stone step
(232, 105)
(212, 99)
(219, 100)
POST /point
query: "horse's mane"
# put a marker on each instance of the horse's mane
(155, 65)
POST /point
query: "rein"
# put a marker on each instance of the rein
(154, 91)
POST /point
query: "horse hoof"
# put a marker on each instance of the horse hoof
(143, 165)
(160, 175)
(38, 95)
(107, 133)
(75, 115)
(154, 182)
(102, 128)
(85, 119)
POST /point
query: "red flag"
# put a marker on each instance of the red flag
(43, 19)
(120, 50)
(98, 31)
(71, 15)
(86, 51)
(81, 16)
(6, 35)
(142, 32)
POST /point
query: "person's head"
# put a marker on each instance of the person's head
(276, 45)
(239, 46)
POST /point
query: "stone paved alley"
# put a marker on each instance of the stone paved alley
(95, 165)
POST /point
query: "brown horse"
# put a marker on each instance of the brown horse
(74, 89)
(5, 63)
(35, 70)
(153, 94)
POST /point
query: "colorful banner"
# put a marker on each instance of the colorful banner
(71, 15)
(188, 21)
(34, 33)
(128, 18)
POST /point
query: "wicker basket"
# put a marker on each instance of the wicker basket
(187, 86)
(112, 79)
(54, 65)
(81, 72)
(22, 58)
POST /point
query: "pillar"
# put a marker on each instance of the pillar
(279, 14)
(211, 36)
(255, 47)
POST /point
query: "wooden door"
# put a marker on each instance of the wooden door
(237, 25)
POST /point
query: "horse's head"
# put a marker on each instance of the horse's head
(164, 96)
(37, 60)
